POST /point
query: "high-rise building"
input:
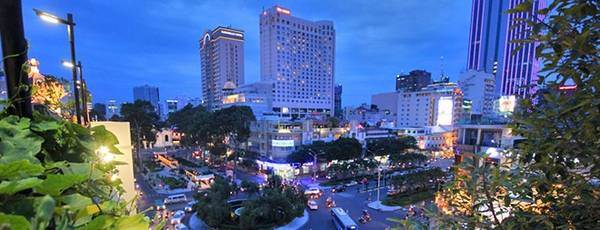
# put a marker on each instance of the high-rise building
(478, 88)
(298, 57)
(171, 106)
(149, 94)
(413, 81)
(520, 68)
(222, 63)
(491, 47)
(435, 105)
(338, 112)
(112, 109)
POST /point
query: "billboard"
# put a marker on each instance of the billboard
(444, 111)
(282, 143)
(507, 104)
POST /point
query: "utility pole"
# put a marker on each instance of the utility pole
(14, 56)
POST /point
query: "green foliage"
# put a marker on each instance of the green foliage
(250, 187)
(278, 205)
(143, 121)
(407, 158)
(212, 206)
(391, 146)
(51, 178)
(546, 183)
(212, 130)
(419, 180)
(409, 198)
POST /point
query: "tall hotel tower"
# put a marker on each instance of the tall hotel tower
(297, 56)
(491, 46)
(222, 63)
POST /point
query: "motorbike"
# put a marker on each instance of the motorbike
(329, 203)
(364, 219)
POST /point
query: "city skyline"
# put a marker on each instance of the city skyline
(391, 43)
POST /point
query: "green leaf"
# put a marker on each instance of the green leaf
(17, 142)
(82, 169)
(76, 201)
(43, 212)
(13, 222)
(138, 221)
(12, 187)
(100, 222)
(19, 169)
(106, 138)
(45, 125)
(55, 184)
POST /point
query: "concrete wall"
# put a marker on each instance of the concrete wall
(121, 131)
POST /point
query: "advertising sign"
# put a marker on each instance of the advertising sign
(445, 109)
(282, 143)
(507, 104)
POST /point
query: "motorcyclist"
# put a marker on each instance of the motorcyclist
(329, 202)
(365, 217)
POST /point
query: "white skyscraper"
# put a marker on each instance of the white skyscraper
(298, 57)
(222, 59)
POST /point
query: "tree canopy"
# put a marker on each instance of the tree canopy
(388, 146)
(143, 121)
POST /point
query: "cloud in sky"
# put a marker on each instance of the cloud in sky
(127, 43)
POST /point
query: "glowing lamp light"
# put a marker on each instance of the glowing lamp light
(114, 177)
(49, 18)
(107, 158)
(103, 150)
(67, 64)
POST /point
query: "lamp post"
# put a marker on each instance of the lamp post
(82, 86)
(70, 29)
(314, 155)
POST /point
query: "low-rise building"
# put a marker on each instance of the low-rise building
(492, 139)
(257, 96)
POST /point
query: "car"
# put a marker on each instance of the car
(312, 205)
(313, 191)
(351, 183)
(338, 188)
(159, 205)
(181, 227)
(190, 206)
(177, 217)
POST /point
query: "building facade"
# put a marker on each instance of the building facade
(112, 109)
(491, 47)
(298, 57)
(149, 94)
(387, 102)
(434, 105)
(413, 81)
(338, 112)
(479, 88)
(222, 63)
(257, 96)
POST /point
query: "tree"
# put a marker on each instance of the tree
(387, 146)
(212, 206)
(250, 187)
(547, 181)
(407, 158)
(343, 149)
(142, 120)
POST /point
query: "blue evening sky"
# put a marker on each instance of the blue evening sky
(125, 43)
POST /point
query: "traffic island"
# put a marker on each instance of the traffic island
(377, 205)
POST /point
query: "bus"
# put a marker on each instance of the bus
(342, 220)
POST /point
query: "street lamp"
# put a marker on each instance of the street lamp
(82, 85)
(314, 155)
(48, 17)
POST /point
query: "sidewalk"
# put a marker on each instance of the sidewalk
(196, 224)
(377, 205)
